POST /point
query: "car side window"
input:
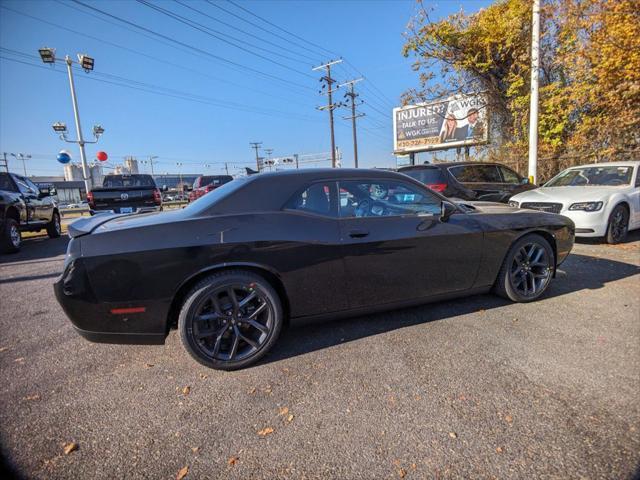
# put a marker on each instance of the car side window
(385, 198)
(6, 184)
(32, 186)
(23, 186)
(509, 176)
(476, 174)
(637, 176)
(316, 198)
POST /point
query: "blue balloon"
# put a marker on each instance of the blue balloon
(63, 157)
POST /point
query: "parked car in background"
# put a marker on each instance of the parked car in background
(602, 199)
(25, 207)
(490, 182)
(135, 193)
(232, 268)
(207, 183)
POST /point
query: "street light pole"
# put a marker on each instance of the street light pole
(23, 157)
(76, 114)
(533, 108)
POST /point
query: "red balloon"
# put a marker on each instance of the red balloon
(102, 156)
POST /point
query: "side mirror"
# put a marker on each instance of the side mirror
(44, 192)
(525, 181)
(53, 192)
(446, 210)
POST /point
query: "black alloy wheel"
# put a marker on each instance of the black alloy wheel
(618, 225)
(527, 269)
(230, 320)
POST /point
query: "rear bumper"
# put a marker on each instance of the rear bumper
(135, 210)
(97, 322)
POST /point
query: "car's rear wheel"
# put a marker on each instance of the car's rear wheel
(231, 319)
(54, 228)
(618, 225)
(527, 269)
(10, 237)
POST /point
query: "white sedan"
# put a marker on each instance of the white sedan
(602, 199)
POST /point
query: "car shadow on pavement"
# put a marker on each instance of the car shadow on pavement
(36, 249)
(579, 272)
(631, 237)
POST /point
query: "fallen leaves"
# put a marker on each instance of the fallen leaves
(498, 449)
(203, 376)
(70, 447)
(232, 461)
(265, 431)
(402, 472)
(149, 365)
(195, 449)
(290, 417)
(182, 473)
(508, 418)
(283, 411)
(186, 390)
(30, 398)
(453, 434)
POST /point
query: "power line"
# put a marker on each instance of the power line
(282, 29)
(157, 59)
(149, 88)
(249, 34)
(288, 40)
(193, 47)
(206, 30)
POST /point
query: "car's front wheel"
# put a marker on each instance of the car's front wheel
(527, 269)
(230, 319)
(618, 225)
(10, 237)
(54, 228)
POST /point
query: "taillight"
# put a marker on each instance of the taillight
(157, 198)
(438, 187)
(90, 200)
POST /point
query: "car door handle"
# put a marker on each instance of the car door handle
(358, 233)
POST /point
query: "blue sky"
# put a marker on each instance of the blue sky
(201, 102)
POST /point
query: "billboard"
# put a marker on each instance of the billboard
(457, 121)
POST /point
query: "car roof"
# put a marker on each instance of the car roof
(320, 173)
(448, 164)
(628, 163)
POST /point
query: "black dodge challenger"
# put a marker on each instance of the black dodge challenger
(236, 265)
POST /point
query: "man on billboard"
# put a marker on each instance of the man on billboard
(475, 128)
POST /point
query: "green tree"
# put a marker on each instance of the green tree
(589, 81)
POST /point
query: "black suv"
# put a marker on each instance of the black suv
(491, 182)
(25, 207)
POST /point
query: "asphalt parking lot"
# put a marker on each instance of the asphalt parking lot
(472, 388)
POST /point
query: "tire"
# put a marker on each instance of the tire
(618, 225)
(526, 270)
(10, 237)
(210, 325)
(54, 229)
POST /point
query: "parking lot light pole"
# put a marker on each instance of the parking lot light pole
(23, 157)
(48, 56)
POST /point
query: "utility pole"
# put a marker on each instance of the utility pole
(23, 157)
(353, 95)
(151, 159)
(179, 165)
(269, 151)
(330, 106)
(4, 162)
(226, 167)
(295, 156)
(256, 146)
(533, 109)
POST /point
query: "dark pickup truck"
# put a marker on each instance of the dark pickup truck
(135, 193)
(25, 208)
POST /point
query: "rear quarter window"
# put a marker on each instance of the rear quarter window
(476, 174)
(428, 176)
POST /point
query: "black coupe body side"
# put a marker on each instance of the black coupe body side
(233, 267)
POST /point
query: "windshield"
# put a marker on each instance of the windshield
(213, 197)
(118, 181)
(597, 175)
(215, 180)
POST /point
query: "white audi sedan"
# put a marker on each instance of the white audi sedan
(602, 199)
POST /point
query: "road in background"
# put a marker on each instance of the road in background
(472, 388)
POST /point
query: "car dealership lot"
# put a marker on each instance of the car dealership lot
(477, 387)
